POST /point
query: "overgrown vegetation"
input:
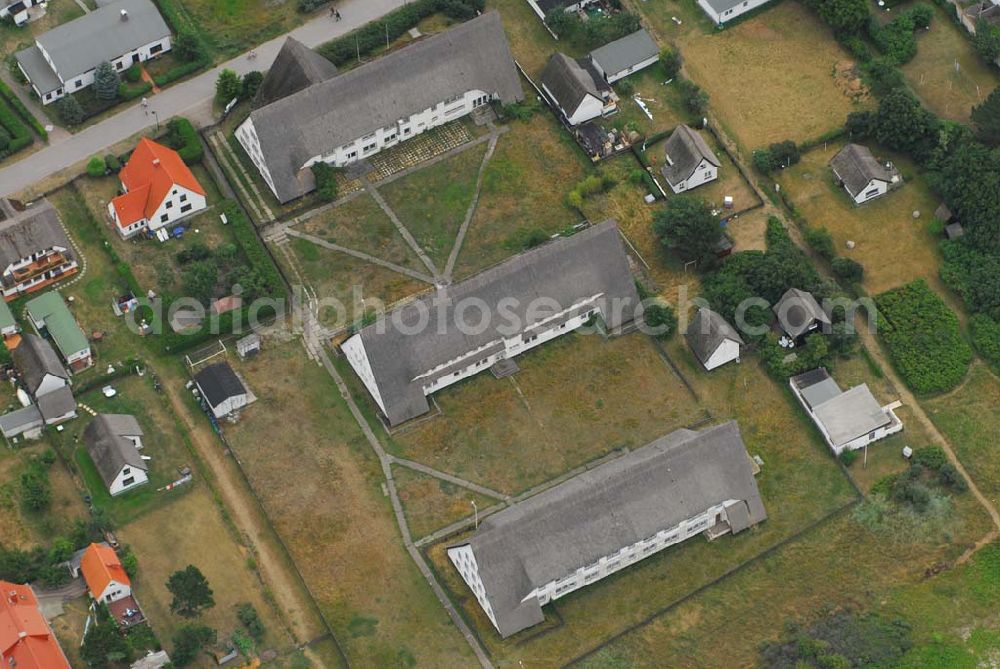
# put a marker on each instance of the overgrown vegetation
(183, 138)
(593, 32)
(326, 181)
(841, 640)
(688, 227)
(923, 337)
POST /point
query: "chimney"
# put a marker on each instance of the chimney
(22, 635)
(156, 162)
(124, 15)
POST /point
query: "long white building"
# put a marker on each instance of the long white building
(683, 484)
(352, 116)
(527, 300)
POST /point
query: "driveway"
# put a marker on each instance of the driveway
(192, 98)
(50, 601)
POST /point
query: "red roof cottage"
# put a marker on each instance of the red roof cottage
(26, 640)
(159, 190)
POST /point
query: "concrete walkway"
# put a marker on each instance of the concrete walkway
(360, 255)
(430, 471)
(407, 237)
(460, 237)
(191, 98)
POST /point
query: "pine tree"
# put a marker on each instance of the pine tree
(106, 82)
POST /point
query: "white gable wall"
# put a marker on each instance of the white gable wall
(113, 592)
(180, 203)
(702, 174)
(728, 351)
(247, 136)
(128, 478)
(875, 188)
(465, 562)
(50, 382)
(354, 350)
(730, 14)
(589, 108)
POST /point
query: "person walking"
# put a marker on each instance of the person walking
(145, 106)
(336, 13)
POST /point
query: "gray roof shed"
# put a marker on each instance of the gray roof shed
(110, 449)
(855, 166)
(592, 515)
(562, 272)
(706, 333)
(685, 149)
(318, 119)
(626, 52)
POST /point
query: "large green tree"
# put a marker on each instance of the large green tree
(188, 641)
(688, 227)
(190, 590)
(986, 118)
(104, 646)
(902, 124)
(106, 82)
(844, 16)
(967, 179)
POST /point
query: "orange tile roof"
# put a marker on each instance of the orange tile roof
(26, 641)
(100, 566)
(150, 174)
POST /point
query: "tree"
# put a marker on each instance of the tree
(902, 124)
(661, 318)
(248, 616)
(4, 138)
(671, 61)
(130, 563)
(251, 84)
(200, 280)
(36, 491)
(104, 646)
(986, 118)
(188, 641)
(986, 41)
(844, 16)
(227, 87)
(845, 269)
(688, 227)
(69, 110)
(191, 592)
(106, 82)
(860, 125)
(695, 99)
(96, 167)
(187, 47)
(821, 241)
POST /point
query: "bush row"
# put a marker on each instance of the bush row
(180, 71)
(22, 111)
(253, 248)
(923, 337)
(128, 92)
(183, 138)
(20, 136)
(394, 25)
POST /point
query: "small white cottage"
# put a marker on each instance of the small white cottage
(113, 442)
(862, 176)
(222, 389)
(688, 161)
(712, 340)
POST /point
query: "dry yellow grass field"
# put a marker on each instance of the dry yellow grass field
(756, 100)
(949, 90)
(894, 247)
(321, 487)
(575, 399)
(431, 503)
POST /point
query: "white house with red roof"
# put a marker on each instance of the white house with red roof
(159, 190)
(26, 640)
(105, 576)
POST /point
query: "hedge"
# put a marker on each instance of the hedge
(180, 71)
(20, 135)
(253, 248)
(986, 338)
(392, 26)
(23, 111)
(128, 92)
(183, 138)
(923, 338)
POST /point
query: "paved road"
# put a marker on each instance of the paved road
(192, 98)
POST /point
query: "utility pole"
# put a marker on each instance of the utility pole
(475, 510)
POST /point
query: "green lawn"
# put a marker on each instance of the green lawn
(432, 203)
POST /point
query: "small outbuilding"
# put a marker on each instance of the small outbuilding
(688, 160)
(799, 314)
(622, 57)
(113, 442)
(862, 176)
(954, 230)
(248, 346)
(576, 89)
(50, 314)
(57, 406)
(223, 390)
(713, 340)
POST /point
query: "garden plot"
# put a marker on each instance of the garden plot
(883, 226)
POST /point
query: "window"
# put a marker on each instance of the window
(119, 65)
(390, 138)
(169, 204)
(126, 471)
(184, 198)
(163, 219)
(129, 481)
(78, 83)
(872, 193)
(186, 208)
(369, 147)
(153, 50)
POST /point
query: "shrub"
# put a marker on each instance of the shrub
(695, 99)
(249, 618)
(306, 6)
(671, 61)
(251, 83)
(882, 76)
(841, 639)
(253, 249)
(625, 88)
(326, 181)
(923, 337)
(930, 457)
(188, 641)
(183, 138)
(986, 337)
(949, 477)
(777, 156)
(133, 74)
(111, 163)
(661, 317)
(228, 86)
(187, 47)
(821, 241)
(847, 270)
(179, 71)
(22, 111)
(848, 457)
(96, 167)
(69, 110)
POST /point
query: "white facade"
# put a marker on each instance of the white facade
(374, 142)
(728, 351)
(20, 17)
(731, 13)
(17, 287)
(113, 592)
(702, 174)
(127, 478)
(73, 82)
(230, 404)
(180, 203)
(612, 77)
(894, 426)
(464, 559)
(590, 107)
(535, 335)
(874, 189)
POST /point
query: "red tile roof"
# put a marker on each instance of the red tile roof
(100, 566)
(26, 641)
(149, 176)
